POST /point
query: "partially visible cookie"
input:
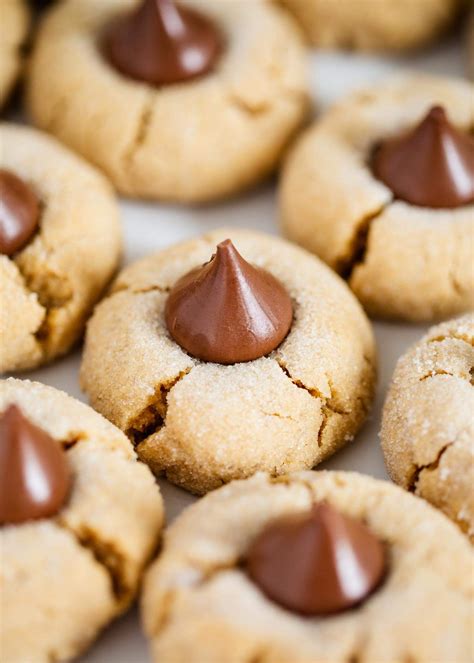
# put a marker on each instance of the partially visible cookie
(374, 24)
(67, 571)
(189, 140)
(428, 421)
(204, 422)
(61, 252)
(14, 26)
(405, 257)
(200, 602)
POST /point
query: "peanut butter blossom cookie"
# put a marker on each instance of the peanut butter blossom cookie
(59, 246)
(15, 21)
(374, 24)
(313, 566)
(382, 188)
(219, 358)
(79, 518)
(187, 102)
(428, 422)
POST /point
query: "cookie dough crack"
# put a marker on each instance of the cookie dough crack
(455, 336)
(153, 417)
(312, 392)
(207, 574)
(287, 480)
(141, 291)
(141, 132)
(436, 372)
(358, 246)
(328, 408)
(360, 647)
(278, 415)
(249, 107)
(71, 442)
(326, 414)
(439, 371)
(331, 402)
(47, 289)
(419, 469)
(106, 555)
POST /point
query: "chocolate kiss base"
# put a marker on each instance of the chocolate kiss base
(228, 311)
(161, 43)
(19, 213)
(431, 166)
(34, 474)
(317, 563)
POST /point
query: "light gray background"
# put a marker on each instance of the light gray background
(150, 227)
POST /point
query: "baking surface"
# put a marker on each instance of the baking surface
(149, 227)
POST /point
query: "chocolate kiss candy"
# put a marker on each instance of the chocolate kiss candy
(160, 43)
(228, 311)
(316, 563)
(34, 474)
(431, 166)
(19, 213)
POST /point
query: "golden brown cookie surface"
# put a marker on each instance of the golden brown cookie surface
(194, 141)
(49, 286)
(402, 261)
(370, 25)
(204, 423)
(65, 577)
(428, 425)
(200, 605)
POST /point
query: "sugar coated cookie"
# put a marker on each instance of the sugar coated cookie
(382, 189)
(79, 518)
(60, 243)
(428, 422)
(222, 358)
(188, 119)
(374, 24)
(314, 566)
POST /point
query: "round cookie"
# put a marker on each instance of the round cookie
(367, 25)
(15, 21)
(65, 577)
(401, 260)
(193, 141)
(49, 286)
(202, 423)
(428, 425)
(199, 604)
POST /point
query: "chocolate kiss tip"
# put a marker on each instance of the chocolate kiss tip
(162, 43)
(228, 311)
(34, 474)
(430, 166)
(437, 113)
(226, 244)
(317, 563)
(19, 213)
